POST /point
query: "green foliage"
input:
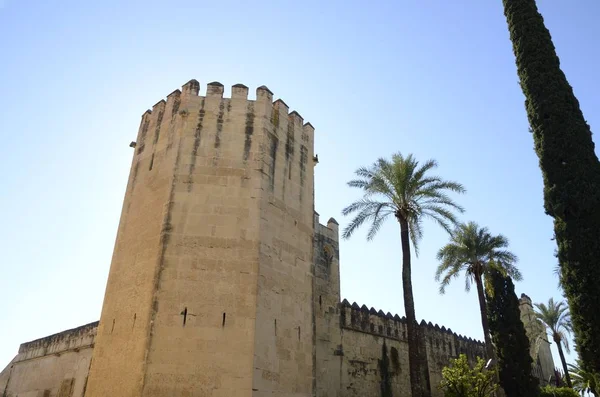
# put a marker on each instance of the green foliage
(475, 251)
(570, 169)
(584, 381)
(551, 391)
(511, 341)
(403, 188)
(556, 318)
(460, 380)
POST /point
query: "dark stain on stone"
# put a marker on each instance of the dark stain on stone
(219, 124)
(158, 123)
(303, 161)
(135, 172)
(140, 147)
(395, 360)
(197, 139)
(275, 118)
(151, 162)
(274, 146)
(384, 372)
(289, 143)
(175, 109)
(249, 130)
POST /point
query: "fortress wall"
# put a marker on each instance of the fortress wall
(375, 348)
(328, 358)
(204, 300)
(211, 284)
(123, 334)
(284, 334)
(54, 366)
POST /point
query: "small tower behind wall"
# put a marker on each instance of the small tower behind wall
(210, 288)
(538, 339)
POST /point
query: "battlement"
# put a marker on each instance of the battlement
(278, 108)
(376, 322)
(71, 339)
(329, 230)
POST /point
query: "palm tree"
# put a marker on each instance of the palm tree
(556, 318)
(583, 381)
(403, 188)
(474, 251)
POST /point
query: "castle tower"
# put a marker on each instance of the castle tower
(543, 364)
(329, 352)
(210, 291)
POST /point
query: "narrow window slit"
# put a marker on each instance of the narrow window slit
(224, 314)
(184, 314)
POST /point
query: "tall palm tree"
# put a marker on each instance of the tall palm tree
(557, 319)
(474, 251)
(403, 188)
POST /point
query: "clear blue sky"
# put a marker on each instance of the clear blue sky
(436, 79)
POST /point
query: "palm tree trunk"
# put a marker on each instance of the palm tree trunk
(489, 348)
(563, 361)
(416, 346)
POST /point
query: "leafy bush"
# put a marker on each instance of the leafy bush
(550, 391)
(460, 380)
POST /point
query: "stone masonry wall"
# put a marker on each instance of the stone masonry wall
(54, 366)
(375, 352)
(543, 364)
(120, 358)
(210, 289)
(328, 358)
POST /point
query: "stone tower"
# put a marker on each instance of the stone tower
(543, 364)
(210, 291)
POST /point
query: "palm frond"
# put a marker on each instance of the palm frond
(368, 210)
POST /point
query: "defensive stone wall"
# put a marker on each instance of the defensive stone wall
(56, 365)
(327, 309)
(375, 352)
(210, 289)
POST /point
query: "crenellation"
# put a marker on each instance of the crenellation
(160, 106)
(215, 89)
(239, 91)
(173, 103)
(280, 115)
(192, 88)
(296, 120)
(377, 317)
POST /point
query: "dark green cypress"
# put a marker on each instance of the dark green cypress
(509, 338)
(570, 169)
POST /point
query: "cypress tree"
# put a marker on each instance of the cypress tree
(509, 337)
(570, 169)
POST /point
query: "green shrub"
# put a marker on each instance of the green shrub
(460, 380)
(551, 391)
